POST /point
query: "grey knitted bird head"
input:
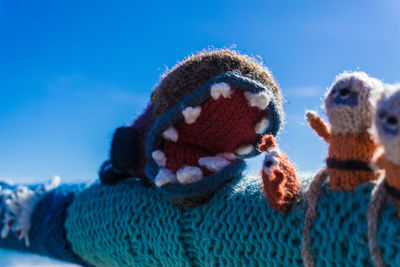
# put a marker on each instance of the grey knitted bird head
(350, 102)
(387, 121)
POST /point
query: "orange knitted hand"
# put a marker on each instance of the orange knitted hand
(319, 126)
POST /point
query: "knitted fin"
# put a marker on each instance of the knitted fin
(122, 154)
(20, 204)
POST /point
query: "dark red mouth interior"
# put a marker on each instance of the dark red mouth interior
(223, 125)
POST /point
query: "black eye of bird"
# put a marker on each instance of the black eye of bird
(391, 120)
(344, 92)
(268, 163)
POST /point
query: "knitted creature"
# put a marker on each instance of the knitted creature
(206, 115)
(279, 182)
(387, 121)
(217, 106)
(350, 104)
(131, 224)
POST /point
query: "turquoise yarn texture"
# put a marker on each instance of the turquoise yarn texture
(131, 224)
(340, 231)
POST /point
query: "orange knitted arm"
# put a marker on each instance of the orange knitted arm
(318, 125)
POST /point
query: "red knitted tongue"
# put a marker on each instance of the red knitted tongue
(179, 156)
(224, 125)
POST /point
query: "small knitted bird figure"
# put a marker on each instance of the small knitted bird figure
(387, 121)
(279, 182)
(350, 105)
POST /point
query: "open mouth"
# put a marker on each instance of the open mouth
(201, 143)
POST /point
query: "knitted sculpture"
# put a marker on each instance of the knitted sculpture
(388, 128)
(279, 182)
(210, 112)
(350, 104)
(125, 221)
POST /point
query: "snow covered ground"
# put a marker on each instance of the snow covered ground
(14, 259)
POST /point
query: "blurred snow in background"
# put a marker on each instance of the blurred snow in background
(14, 259)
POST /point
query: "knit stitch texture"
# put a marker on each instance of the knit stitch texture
(213, 183)
(131, 224)
(350, 105)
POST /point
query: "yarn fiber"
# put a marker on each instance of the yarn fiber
(130, 224)
(47, 234)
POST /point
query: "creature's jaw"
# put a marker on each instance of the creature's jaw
(201, 143)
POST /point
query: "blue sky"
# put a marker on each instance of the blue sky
(73, 71)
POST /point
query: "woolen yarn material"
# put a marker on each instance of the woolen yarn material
(175, 85)
(132, 224)
(47, 234)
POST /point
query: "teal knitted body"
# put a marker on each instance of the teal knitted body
(340, 231)
(389, 235)
(132, 224)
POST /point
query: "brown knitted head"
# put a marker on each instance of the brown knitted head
(193, 72)
(206, 115)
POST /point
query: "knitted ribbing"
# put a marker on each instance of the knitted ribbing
(339, 232)
(388, 234)
(132, 224)
(129, 224)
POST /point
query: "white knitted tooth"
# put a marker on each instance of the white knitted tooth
(191, 114)
(165, 176)
(257, 100)
(189, 175)
(227, 155)
(159, 157)
(244, 150)
(170, 134)
(219, 89)
(262, 126)
(213, 164)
